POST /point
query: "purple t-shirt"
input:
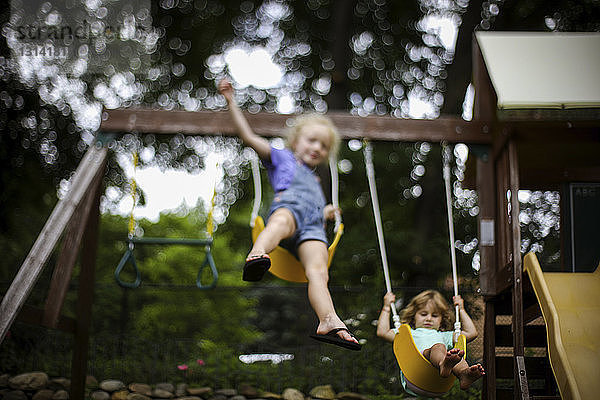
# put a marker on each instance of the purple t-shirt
(280, 168)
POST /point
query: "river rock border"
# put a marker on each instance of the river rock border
(38, 386)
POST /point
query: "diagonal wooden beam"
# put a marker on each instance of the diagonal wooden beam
(385, 128)
(33, 265)
(61, 276)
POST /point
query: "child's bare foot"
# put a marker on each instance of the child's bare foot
(453, 356)
(469, 375)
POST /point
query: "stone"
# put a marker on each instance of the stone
(112, 385)
(29, 381)
(15, 395)
(226, 392)
(100, 395)
(61, 395)
(43, 394)
(351, 396)
(237, 397)
(190, 398)
(269, 395)
(4, 380)
(166, 387)
(120, 395)
(324, 392)
(141, 388)
(60, 383)
(292, 394)
(181, 389)
(137, 396)
(204, 392)
(91, 382)
(217, 397)
(248, 391)
(162, 394)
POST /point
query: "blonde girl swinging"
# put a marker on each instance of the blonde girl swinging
(298, 211)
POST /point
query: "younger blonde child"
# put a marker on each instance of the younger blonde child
(429, 317)
(298, 211)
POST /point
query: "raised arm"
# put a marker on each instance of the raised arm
(467, 326)
(251, 139)
(383, 323)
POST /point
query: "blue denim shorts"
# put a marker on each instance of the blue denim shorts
(307, 214)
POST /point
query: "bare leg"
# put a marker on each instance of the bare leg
(313, 256)
(467, 375)
(281, 225)
(443, 359)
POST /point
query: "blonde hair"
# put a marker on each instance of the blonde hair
(407, 315)
(309, 119)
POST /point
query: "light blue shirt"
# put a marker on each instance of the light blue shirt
(425, 338)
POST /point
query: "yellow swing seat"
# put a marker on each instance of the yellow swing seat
(284, 264)
(422, 377)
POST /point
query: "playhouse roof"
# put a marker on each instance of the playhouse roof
(540, 70)
(545, 92)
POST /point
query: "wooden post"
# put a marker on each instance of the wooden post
(520, 377)
(484, 109)
(489, 352)
(85, 293)
(503, 239)
(33, 265)
(487, 225)
(487, 270)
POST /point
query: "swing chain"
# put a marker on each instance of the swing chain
(129, 256)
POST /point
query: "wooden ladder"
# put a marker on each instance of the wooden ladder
(540, 380)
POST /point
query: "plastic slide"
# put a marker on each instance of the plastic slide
(570, 304)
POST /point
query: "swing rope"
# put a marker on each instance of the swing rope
(447, 184)
(368, 154)
(335, 201)
(257, 186)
